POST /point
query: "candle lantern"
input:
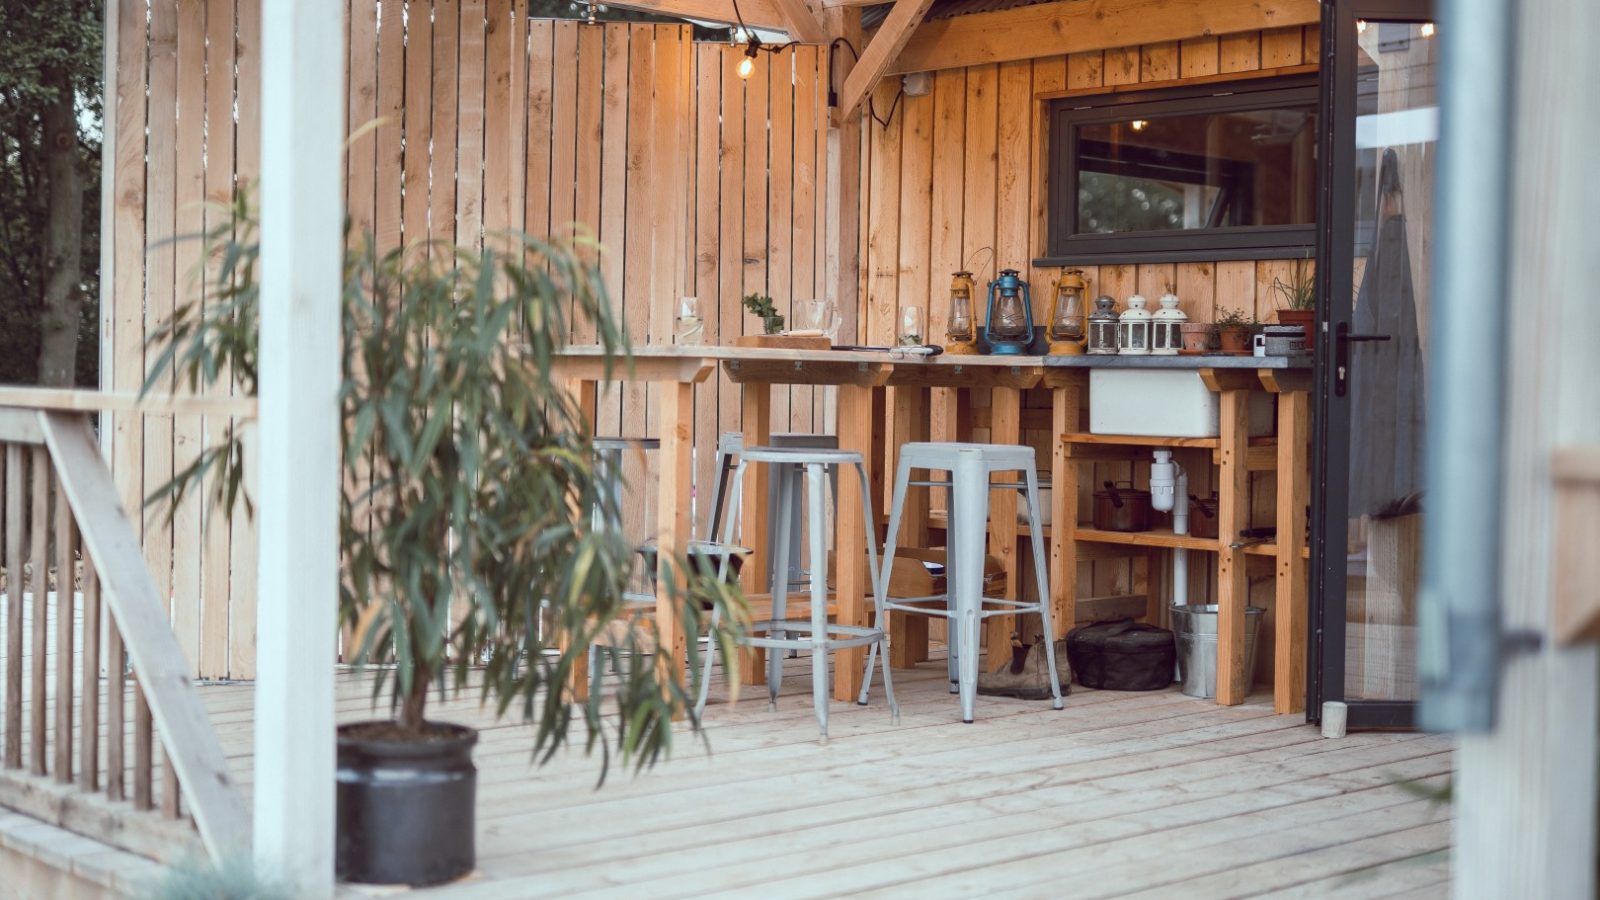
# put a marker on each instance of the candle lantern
(1010, 320)
(1133, 329)
(961, 333)
(1103, 327)
(1066, 315)
(1166, 334)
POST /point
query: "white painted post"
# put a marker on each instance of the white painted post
(1525, 797)
(302, 247)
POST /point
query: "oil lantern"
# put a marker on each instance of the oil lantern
(1010, 320)
(1066, 315)
(1103, 327)
(962, 335)
(1166, 334)
(1133, 330)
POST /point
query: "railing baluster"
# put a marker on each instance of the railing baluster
(171, 799)
(39, 530)
(116, 710)
(143, 758)
(13, 758)
(89, 714)
(66, 610)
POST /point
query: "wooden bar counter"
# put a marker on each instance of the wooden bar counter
(862, 380)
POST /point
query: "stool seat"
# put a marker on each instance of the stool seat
(626, 443)
(995, 457)
(802, 455)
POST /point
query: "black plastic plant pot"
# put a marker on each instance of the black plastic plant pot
(406, 807)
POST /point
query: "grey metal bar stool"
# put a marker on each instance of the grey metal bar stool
(970, 466)
(785, 478)
(816, 634)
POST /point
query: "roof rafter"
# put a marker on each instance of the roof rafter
(884, 48)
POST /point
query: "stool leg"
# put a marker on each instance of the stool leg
(880, 575)
(819, 596)
(972, 503)
(1043, 587)
(951, 644)
(730, 526)
(780, 580)
(880, 591)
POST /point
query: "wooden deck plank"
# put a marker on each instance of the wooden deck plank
(1125, 792)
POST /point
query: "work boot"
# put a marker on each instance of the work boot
(1028, 676)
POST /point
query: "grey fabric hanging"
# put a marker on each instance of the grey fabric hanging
(1386, 394)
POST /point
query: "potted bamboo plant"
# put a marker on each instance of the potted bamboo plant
(1300, 304)
(467, 524)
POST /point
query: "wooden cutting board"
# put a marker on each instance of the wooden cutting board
(784, 341)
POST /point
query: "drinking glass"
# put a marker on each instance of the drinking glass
(913, 328)
(691, 328)
(824, 317)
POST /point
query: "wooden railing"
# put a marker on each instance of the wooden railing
(96, 684)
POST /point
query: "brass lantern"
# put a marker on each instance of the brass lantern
(1103, 327)
(961, 332)
(1066, 315)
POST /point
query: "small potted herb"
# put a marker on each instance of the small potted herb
(1234, 327)
(1300, 304)
(761, 305)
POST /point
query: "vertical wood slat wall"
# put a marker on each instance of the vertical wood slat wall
(693, 181)
(961, 169)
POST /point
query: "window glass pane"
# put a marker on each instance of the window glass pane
(1197, 170)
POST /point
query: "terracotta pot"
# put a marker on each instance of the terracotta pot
(1235, 339)
(1306, 319)
(1198, 338)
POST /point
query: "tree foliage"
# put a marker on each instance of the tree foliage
(45, 45)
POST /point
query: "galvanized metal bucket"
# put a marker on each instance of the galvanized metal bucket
(1195, 627)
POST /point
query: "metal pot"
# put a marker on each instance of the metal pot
(1121, 508)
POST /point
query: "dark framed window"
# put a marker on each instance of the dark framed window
(1210, 172)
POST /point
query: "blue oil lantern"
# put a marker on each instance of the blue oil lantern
(1010, 323)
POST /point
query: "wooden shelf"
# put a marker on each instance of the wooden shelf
(1137, 440)
(1160, 537)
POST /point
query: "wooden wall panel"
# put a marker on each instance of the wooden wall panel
(978, 139)
(693, 181)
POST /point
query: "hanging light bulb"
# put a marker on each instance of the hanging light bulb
(1361, 26)
(1427, 29)
(1140, 124)
(747, 66)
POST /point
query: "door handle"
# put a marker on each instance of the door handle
(1341, 355)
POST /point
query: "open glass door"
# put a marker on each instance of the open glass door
(1380, 94)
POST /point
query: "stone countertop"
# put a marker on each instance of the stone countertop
(1179, 362)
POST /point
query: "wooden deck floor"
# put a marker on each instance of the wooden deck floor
(1120, 794)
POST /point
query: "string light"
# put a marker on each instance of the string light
(1361, 26)
(1139, 124)
(1427, 29)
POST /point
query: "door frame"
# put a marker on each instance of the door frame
(1325, 647)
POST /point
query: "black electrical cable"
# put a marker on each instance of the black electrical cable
(833, 95)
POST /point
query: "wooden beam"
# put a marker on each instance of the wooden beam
(842, 209)
(756, 13)
(798, 21)
(1576, 569)
(886, 45)
(1074, 26)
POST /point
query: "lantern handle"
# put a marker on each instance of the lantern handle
(989, 262)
